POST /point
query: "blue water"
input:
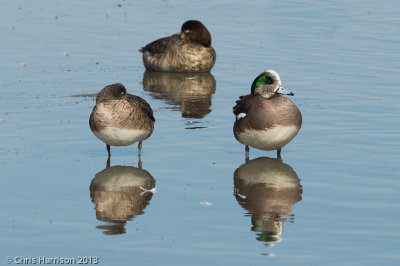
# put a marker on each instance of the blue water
(336, 201)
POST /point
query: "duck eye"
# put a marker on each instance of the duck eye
(122, 93)
(266, 80)
(186, 31)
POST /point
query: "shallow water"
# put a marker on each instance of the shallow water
(333, 199)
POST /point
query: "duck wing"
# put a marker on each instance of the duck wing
(136, 101)
(161, 45)
(242, 105)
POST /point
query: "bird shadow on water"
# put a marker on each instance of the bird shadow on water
(189, 93)
(120, 193)
(267, 188)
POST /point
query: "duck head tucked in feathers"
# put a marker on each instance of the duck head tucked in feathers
(115, 91)
(195, 31)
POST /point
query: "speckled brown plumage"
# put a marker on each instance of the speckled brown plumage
(126, 111)
(130, 113)
(189, 51)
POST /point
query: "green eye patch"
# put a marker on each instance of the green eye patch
(261, 80)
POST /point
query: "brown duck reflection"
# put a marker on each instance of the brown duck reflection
(267, 188)
(118, 197)
(190, 92)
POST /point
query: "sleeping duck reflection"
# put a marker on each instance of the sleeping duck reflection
(189, 93)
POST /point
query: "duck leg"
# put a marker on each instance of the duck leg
(108, 162)
(108, 150)
(140, 148)
(247, 149)
(278, 153)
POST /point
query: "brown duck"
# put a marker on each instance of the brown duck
(120, 118)
(188, 51)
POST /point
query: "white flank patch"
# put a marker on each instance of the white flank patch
(241, 196)
(241, 115)
(121, 137)
(271, 139)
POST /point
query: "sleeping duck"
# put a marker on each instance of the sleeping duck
(188, 51)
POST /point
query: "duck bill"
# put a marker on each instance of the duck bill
(283, 91)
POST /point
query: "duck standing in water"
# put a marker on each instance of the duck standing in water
(265, 119)
(188, 51)
(120, 118)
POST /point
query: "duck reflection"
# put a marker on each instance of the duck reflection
(191, 92)
(267, 188)
(118, 196)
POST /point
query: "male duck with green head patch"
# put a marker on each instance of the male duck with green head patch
(266, 119)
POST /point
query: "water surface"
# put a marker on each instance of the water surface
(335, 200)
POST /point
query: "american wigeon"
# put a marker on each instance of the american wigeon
(120, 118)
(189, 51)
(265, 119)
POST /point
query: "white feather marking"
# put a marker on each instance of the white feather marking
(241, 115)
(241, 196)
